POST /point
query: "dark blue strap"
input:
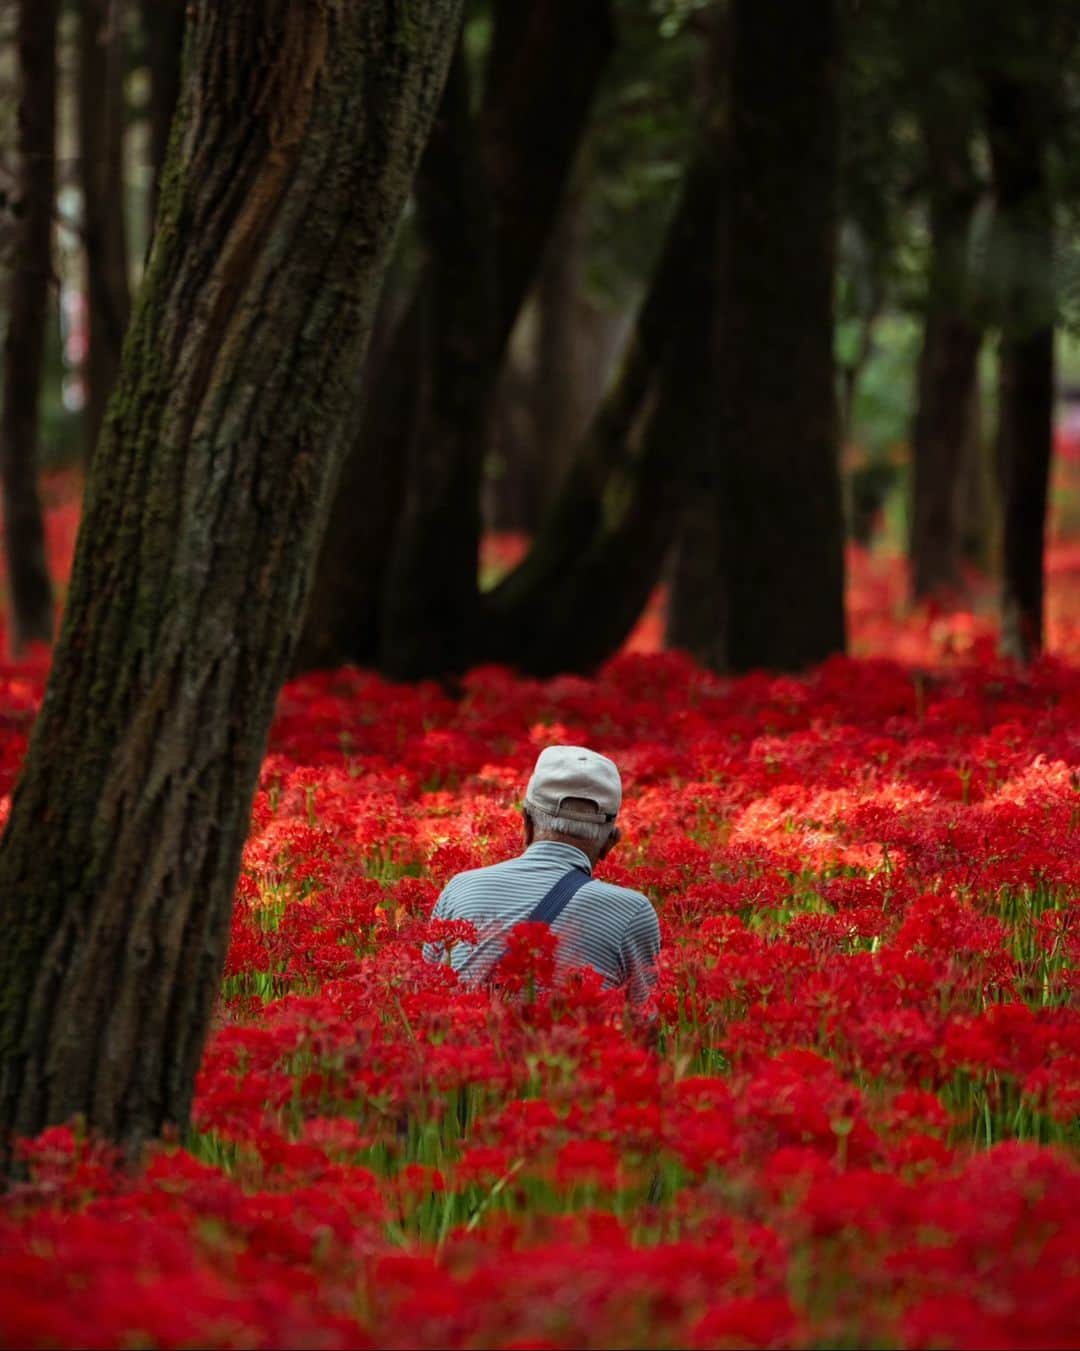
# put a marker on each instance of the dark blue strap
(548, 908)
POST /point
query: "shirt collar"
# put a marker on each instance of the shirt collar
(567, 854)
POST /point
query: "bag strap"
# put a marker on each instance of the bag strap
(550, 906)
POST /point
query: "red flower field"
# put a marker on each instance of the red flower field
(860, 1127)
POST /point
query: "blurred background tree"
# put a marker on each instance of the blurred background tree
(570, 357)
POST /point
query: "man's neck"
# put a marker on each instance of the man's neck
(582, 846)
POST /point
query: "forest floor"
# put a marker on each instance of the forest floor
(860, 1127)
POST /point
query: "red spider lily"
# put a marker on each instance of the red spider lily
(856, 1121)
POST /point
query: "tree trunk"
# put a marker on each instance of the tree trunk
(576, 596)
(101, 163)
(429, 605)
(979, 504)
(785, 552)
(946, 378)
(1025, 411)
(163, 28)
(30, 604)
(947, 370)
(547, 59)
(299, 128)
(697, 620)
(556, 393)
(1023, 230)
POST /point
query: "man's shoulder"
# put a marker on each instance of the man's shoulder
(626, 896)
(488, 870)
(472, 877)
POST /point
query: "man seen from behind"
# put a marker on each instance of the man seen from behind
(570, 809)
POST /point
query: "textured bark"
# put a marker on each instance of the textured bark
(697, 599)
(163, 29)
(299, 128)
(586, 579)
(101, 168)
(547, 59)
(947, 369)
(30, 605)
(785, 553)
(1024, 230)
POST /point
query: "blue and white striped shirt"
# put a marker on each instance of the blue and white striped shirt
(611, 929)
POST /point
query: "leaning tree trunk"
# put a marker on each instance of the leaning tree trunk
(101, 163)
(546, 62)
(428, 609)
(163, 30)
(30, 605)
(947, 369)
(1023, 231)
(299, 129)
(785, 552)
(600, 549)
(557, 394)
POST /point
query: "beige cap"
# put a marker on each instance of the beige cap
(562, 772)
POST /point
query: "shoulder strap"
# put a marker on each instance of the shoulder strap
(549, 907)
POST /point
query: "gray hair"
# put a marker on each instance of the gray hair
(596, 832)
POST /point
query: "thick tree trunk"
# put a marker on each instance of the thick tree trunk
(1025, 411)
(299, 128)
(785, 553)
(101, 164)
(30, 605)
(697, 620)
(947, 371)
(1023, 229)
(163, 29)
(576, 596)
(547, 59)
(698, 565)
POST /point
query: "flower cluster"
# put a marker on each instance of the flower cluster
(859, 1125)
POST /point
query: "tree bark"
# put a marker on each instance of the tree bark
(299, 129)
(585, 581)
(947, 370)
(30, 603)
(558, 48)
(1025, 404)
(785, 551)
(1023, 230)
(547, 59)
(430, 592)
(979, 495)
(101, 162)
(557, 393)
(163, 29)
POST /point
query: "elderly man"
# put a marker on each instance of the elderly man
(569, 813)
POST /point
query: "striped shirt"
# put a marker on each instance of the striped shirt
(611, 929)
